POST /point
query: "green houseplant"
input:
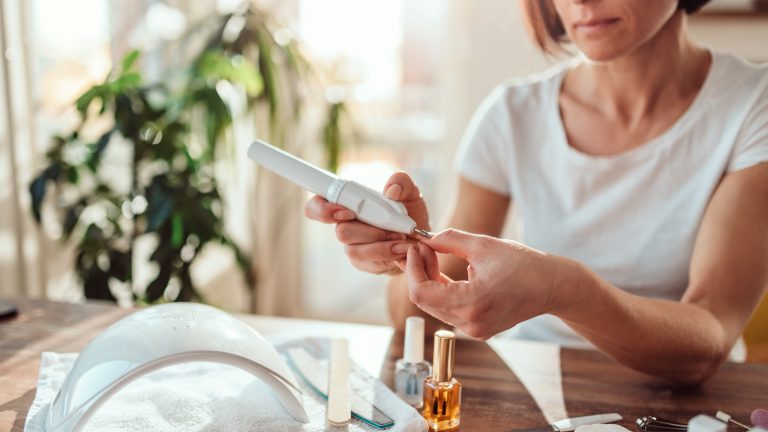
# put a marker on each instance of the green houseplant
(169, 188)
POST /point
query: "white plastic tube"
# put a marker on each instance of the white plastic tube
(288, 166)
(370, 206)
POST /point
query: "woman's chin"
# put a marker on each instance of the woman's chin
(601, 53)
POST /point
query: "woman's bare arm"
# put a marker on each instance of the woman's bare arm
(690, 339)
(684, 341)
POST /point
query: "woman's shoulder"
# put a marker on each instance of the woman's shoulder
(527, 94)
(739, 77)
(734, 64)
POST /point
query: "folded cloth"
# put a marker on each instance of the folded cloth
(207, 397)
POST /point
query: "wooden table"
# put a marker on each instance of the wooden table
(494, 399)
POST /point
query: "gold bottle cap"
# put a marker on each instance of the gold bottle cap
(442, 361)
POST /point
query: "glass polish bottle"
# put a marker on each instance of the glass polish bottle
(411, 370)
(442, 392)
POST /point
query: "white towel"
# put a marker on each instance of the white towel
(204, 397)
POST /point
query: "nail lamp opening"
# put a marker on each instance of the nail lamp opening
(162, 336)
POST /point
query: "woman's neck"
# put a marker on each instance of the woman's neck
(667, 68)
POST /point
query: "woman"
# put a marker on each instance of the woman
(640, 174)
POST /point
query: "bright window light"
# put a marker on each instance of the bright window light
(360, 39)
(373, 174)
(72, 49)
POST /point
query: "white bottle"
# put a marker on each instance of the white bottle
(411, 370)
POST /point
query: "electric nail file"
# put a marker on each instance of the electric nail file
(368, 205)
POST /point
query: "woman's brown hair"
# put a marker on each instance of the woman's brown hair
(548, 31)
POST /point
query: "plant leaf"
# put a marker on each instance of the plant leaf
(97, 150)
(37, 192)
(332, 137)
(160, 202)
(158, 211)
(96, 285)
(129, 60)
(267, 71)
(187, 291)
(156, 288)
(84, 101)
(177, 230)
(120, 265)
(73, 175)
(71, 217)
(53, 171)
(125, 82)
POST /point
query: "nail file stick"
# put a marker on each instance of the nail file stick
(339, 403)
(725, 417)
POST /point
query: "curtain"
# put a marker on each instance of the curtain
(22, 248)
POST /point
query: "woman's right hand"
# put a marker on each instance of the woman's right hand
(372, 249)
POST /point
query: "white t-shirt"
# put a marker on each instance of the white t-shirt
(631, 217)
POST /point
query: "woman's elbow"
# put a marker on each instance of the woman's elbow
(697, 370)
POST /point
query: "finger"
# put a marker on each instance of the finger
(376, 267)
(455, 242)
(379, 251)
(401, 264)
(442, 291)
(431, 265)
(426, 294)
(400, 187)
(443, 315)
(415, 271)
(317, 208)
(445, 295)
(356, 232)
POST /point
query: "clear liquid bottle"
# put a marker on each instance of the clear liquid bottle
(412, 370)
(442, 391)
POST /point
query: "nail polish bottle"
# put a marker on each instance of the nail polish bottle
(412, 370)
(442, 392)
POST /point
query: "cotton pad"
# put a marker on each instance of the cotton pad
(602, 428)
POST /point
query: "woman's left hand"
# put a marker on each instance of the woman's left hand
(508, 282)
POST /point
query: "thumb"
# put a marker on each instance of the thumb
(456, 242)
(400, 187)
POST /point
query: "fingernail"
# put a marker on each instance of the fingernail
(401, 248)
(343, 215)
(394, 191)
(395, 236)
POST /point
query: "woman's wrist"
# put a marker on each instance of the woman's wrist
(571, 279)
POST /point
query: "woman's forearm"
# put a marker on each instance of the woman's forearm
(677, 341)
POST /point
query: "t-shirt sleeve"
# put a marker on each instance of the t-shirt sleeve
(481, 155)
(751, 146)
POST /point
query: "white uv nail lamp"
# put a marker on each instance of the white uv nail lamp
(162, 336)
